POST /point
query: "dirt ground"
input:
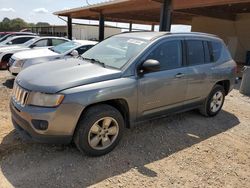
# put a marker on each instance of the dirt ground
(185, 150)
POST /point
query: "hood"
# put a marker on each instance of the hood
(59, 75)
(34, 53)
(10, 48)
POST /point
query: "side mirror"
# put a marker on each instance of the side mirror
(150, 65)
(74, 53)
(32, 46)
(9, 43)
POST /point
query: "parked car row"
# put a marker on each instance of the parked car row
(16, 42)
(24, 59)
(123, 80)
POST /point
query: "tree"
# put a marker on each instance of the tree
(18, 24)
(42, 24)
(5, 24)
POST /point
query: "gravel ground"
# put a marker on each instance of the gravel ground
(185, 150)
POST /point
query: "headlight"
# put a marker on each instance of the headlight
(45, 100)
(19, 63)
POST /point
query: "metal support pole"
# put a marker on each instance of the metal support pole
(101, 27)
(69, 28)
(166, 14)
(130, 26)
(153, 27)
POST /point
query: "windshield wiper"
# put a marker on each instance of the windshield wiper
(92, 60)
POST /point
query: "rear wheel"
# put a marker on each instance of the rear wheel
(99, 130)
(214, 102)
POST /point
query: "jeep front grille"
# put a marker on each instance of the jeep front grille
(19, 94)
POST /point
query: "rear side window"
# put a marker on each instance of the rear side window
(216, 48)
(20, 40)
(195, 52)
(169, 54)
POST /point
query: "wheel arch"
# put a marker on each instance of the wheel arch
(120, 104)
(6, 57)
(225, 84)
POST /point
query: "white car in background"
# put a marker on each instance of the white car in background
(22, 60)
(16, 40)
(34, 43)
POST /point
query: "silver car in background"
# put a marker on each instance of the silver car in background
(35, 43)
(22, 60)
(8, 35)
(125, 79)
(16, 40)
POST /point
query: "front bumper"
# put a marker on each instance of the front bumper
(61, 122)
(14, 70)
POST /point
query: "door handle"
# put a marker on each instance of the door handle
(179, 75)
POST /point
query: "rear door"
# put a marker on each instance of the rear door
(199, 68)
(165, 89)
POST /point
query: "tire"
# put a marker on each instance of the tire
(4, 61)
(211, 106)
(92, 136)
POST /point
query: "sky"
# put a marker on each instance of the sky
(34, 11)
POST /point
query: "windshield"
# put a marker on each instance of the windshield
(116, 51)
(4, 38)
(2, 35)
(62, 48)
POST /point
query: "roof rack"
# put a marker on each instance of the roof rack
(194, 33)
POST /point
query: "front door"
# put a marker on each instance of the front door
(166, 88)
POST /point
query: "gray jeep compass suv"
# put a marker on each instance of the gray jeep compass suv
(127, 78)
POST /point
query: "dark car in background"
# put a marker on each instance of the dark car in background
(2, 34)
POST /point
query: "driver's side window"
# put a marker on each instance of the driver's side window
(169, 54)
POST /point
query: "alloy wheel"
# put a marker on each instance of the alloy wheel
(103, 133)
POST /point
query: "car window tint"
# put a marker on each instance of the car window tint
(83, 49)
(216, 50)
(56, 42)
(195, 52)
(41, 43)
(169, 54)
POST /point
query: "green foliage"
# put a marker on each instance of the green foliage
(17, 24)
(42, 24)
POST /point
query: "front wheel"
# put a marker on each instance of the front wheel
(99, 130)
(214, 102)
